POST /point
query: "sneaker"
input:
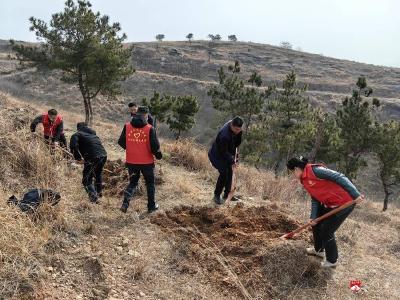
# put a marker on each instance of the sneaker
(124, 207)
(234, 198)
(311, 251)
(217, 200)
(327, 264)
(155, 208)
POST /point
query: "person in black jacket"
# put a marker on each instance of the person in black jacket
(139, 139)
(133, 108)
(222, 156)
(86, 145)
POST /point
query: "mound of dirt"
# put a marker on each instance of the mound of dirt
(116, 178)
(239, 249)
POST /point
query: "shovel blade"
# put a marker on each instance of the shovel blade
(287, 236)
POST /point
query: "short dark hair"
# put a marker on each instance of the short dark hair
(237, 122)
(142, 110)
(52, 112)
(132, 104)
(297, 163)
(80, 125)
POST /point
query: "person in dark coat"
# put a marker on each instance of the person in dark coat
(139, 139)
(53, 127)
(222, 156)
(86, 145)
(328, 190)
(133, 108)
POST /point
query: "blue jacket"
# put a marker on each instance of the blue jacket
(222, 152)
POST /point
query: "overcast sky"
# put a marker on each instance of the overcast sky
(361, 30)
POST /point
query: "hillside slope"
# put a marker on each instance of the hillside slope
(189, 250)
(183, 68)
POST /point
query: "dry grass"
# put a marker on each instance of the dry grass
(78, 250)
(20, 241)
(26, 163)
(187, 154)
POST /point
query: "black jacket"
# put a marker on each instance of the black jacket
(138, 122)
(222, 152)
(59, 129)
(85, 143)
(33, 198)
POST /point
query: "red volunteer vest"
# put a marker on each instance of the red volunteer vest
(49, 129)
(138, 150)
(327, 192)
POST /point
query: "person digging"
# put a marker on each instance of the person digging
(86, 145)
(329, 190)
(139, 139)
(223, 157)
(53, 127)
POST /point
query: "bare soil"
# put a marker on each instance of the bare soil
(240, 249)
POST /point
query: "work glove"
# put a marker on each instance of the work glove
(158, 155)
(237, 158)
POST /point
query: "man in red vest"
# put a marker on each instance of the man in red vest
(53, 127)
(139, 139)
(328, 190)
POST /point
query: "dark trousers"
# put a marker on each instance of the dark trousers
(324, 232)
(224, 181)
(93, 169)
(134, 175)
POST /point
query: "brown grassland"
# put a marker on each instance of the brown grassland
(190, 249)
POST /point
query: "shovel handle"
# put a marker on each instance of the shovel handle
(319, 219)
(233, 187)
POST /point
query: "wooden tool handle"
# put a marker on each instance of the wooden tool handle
(334, 211)
(319, 219)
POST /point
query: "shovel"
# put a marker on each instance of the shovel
(233, 188)
(317, 220)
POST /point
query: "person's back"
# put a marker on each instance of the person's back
(139, 139)
(90, 145)
(87, 145)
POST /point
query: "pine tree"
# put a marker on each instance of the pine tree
(286, 45)
(355, 122)
(233, 98)
(182, 115)
(227, 96)
(326, 140)
(214, 38)
(288, 120)
(85, 47)
(386, 145)
(158, 105)
(160, 37)
(190, 37)
(232, 38)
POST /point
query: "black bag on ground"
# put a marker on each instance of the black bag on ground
(33, 198)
